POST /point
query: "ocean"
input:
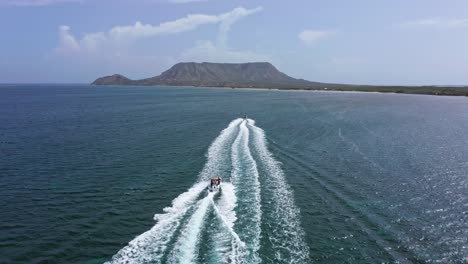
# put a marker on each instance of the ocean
(92, 174)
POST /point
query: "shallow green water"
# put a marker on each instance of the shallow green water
(312, 177)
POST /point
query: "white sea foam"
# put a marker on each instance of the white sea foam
(151, 245)
(245, 176)
(226, 242)
(227, 203)
(287, 235)
(185, 250)
(217, 152)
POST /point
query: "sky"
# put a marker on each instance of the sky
(398, 42)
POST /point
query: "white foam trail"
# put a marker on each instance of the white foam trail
(236, 244)
(185, 250)
(225, 241)
(245, 176)
(151, 245)
(227, 203)
(215, 162)
(287, 235)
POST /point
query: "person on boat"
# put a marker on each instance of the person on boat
(218, 181)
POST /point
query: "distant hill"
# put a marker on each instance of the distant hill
(260, 75)
(255, 74)
(115, 79)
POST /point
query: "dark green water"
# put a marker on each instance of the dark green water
(312, 177)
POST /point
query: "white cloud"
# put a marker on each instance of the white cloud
(125, 49)
(125, 34)
(219, 51)
(187, 23)
(436, 22)
(207, 51)
(34, 2)
(230, 18)
(311, 36)
(67, 41)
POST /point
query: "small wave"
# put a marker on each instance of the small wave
(227, 203)
(232, 221)
(219, 152)
(185, 250)
(287, 235)
(245, 178)
(152, 245)
(228, 244)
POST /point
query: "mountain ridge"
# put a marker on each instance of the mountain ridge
(252, 74)
(260, 75)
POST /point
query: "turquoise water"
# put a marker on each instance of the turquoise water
(118, 174)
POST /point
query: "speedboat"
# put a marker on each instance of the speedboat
(215, 184)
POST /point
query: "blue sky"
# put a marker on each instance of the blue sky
(362, 41)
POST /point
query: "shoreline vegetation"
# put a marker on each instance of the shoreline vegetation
(423, 90)
(261, 75)
(416, 90)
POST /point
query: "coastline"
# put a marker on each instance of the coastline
(415, 90)
(456, 91)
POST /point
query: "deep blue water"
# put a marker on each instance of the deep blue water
(325, 177)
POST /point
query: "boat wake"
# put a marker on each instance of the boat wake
(252, 219)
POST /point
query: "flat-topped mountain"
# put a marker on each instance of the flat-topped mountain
(259, 75)
(255, 74)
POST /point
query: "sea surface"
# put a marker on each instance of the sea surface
(119, 175)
